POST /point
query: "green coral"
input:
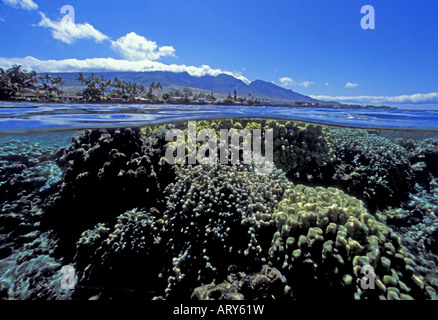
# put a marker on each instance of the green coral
(324, 238)
(303, 151)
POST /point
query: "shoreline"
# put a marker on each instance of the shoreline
(209, 104)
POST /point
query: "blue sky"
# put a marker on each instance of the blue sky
(314, 47)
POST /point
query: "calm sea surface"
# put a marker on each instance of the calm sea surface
(31, 117)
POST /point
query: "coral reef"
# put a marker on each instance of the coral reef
(25, 167)
(218, 215)
(31, 276)
(129, 253)
(105, 172)
(422, 152)
(372, 168)
(417, 225)
(267, 284)
(28, 269)
(220, 232)
(303, 151)
(324, 239)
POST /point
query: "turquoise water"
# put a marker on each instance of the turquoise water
(83, 188)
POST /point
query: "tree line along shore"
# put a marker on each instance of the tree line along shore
(17, 84)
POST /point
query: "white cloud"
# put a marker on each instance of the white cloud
(286, 81)
(402, 99)
(23, 4)
(327, 84)
(351, 85)
(68, 32)
(110, 64)
(134, 47)
(306, 84)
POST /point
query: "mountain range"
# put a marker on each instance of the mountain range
(220, 85)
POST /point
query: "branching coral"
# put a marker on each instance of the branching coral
(372, 168)
(124, 256)
(218, 215)
(106, 172)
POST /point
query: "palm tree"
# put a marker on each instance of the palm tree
(117, 84)
(159, 87)
(81, 79)
(124, 86)
(60, 82)
(109, 84)
(7, 88)
(47, 88)
(31, 80)
(15, 73)
(142, 90)
(135, 88)
(47, 77)
(103, 84)
(55, 83)
(129, 90)
(17, 76)
(45, 81)
(91, 79)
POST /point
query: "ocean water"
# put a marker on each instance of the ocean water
(90, 208)
(27, 117)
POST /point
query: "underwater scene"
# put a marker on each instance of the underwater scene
(117, 204)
